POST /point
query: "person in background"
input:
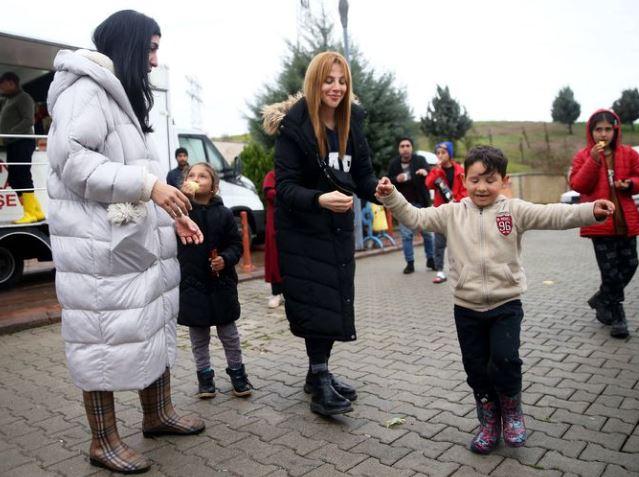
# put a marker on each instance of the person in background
(175, 177)
(447, 180)
(271, 258)
(408, 172)
(17, 112)
(608, 169)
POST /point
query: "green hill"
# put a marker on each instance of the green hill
(528, 145)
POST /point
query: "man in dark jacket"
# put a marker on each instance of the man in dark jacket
(175, 177)
(408, 173)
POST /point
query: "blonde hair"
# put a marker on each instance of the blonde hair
(214, 179)
(318, 70)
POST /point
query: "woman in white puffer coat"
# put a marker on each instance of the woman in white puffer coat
(113, 226)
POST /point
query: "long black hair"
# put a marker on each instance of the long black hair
(125, 37)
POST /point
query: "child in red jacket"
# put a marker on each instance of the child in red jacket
(447, 180)
(607, 169)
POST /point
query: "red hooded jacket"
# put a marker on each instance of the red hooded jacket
(591, 181)
(458, 190)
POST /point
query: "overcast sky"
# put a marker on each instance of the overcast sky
(503, 60)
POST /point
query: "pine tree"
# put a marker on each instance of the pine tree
(627, 107)
(444, 118)
(565, 109)
(388, 114)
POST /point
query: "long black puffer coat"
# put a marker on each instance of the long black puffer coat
(316, 246)
(206, 300)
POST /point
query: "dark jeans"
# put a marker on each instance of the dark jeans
(489, 344)
(276, 288)
(20, 151)
(440, 250)
(318, 350)
(617, 260)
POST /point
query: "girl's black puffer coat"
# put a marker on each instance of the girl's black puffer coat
(206, 300)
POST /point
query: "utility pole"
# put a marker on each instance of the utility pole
(194, 92)
(357, 204)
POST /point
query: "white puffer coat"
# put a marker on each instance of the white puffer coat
(117, 282)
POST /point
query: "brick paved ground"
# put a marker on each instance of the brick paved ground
(581, 389)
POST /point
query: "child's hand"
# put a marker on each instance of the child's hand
(623, 185)
(384, 187)
(188, 231)
(217, 264)
(421, 172)
(603, 209)
(189, 188)
(596, 151)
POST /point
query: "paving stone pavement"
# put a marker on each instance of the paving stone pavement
(581, 388)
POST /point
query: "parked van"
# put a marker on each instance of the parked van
(32, 60)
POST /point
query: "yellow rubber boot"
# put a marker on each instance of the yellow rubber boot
(37, 212)
(29, 207)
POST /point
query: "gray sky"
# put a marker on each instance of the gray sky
(503, 60)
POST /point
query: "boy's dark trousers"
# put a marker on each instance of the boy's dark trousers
(617, 260)
(489, 342)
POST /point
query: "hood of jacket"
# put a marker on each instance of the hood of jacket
(70, 66)
(617, 128)
(274, 114)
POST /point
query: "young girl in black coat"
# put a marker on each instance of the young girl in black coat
(208, 290)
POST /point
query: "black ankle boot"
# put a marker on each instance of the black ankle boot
(206, 385)
(342, 388)
(326, 401)
(410, 267)
(430, 263)
(619, 325)
(241, 385)
(603, 312)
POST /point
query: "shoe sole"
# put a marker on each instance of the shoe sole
(169, 432)
(242, 393)
(308, 390)
(331, 412)
(206, 395)
(102, 465)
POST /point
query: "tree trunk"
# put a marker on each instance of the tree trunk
(569, 128)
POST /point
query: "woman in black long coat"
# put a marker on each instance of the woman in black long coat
(321, 159)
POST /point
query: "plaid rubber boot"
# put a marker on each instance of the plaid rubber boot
(514, 427)
(160, 417)
(107, 449)
(489, 433)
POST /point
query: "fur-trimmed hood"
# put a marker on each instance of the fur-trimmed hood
(273, 114)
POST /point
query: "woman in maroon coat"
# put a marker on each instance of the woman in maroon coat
(607, 169)
(271, 258)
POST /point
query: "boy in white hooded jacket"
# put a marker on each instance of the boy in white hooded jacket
(484, 233)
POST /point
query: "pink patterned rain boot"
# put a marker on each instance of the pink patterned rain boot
(489, 426)
(514, 427)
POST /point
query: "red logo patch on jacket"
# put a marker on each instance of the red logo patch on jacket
(505, 224)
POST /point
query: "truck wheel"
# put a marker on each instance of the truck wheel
(11, 267)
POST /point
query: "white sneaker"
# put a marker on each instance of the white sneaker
(275, 301)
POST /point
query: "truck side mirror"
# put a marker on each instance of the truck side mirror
(237, 166)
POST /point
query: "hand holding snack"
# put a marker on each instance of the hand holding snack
(597, 149)
(190, 188)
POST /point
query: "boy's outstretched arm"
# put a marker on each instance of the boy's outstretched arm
(430, 218)
(530, 216)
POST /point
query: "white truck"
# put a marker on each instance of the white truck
(32, 60)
